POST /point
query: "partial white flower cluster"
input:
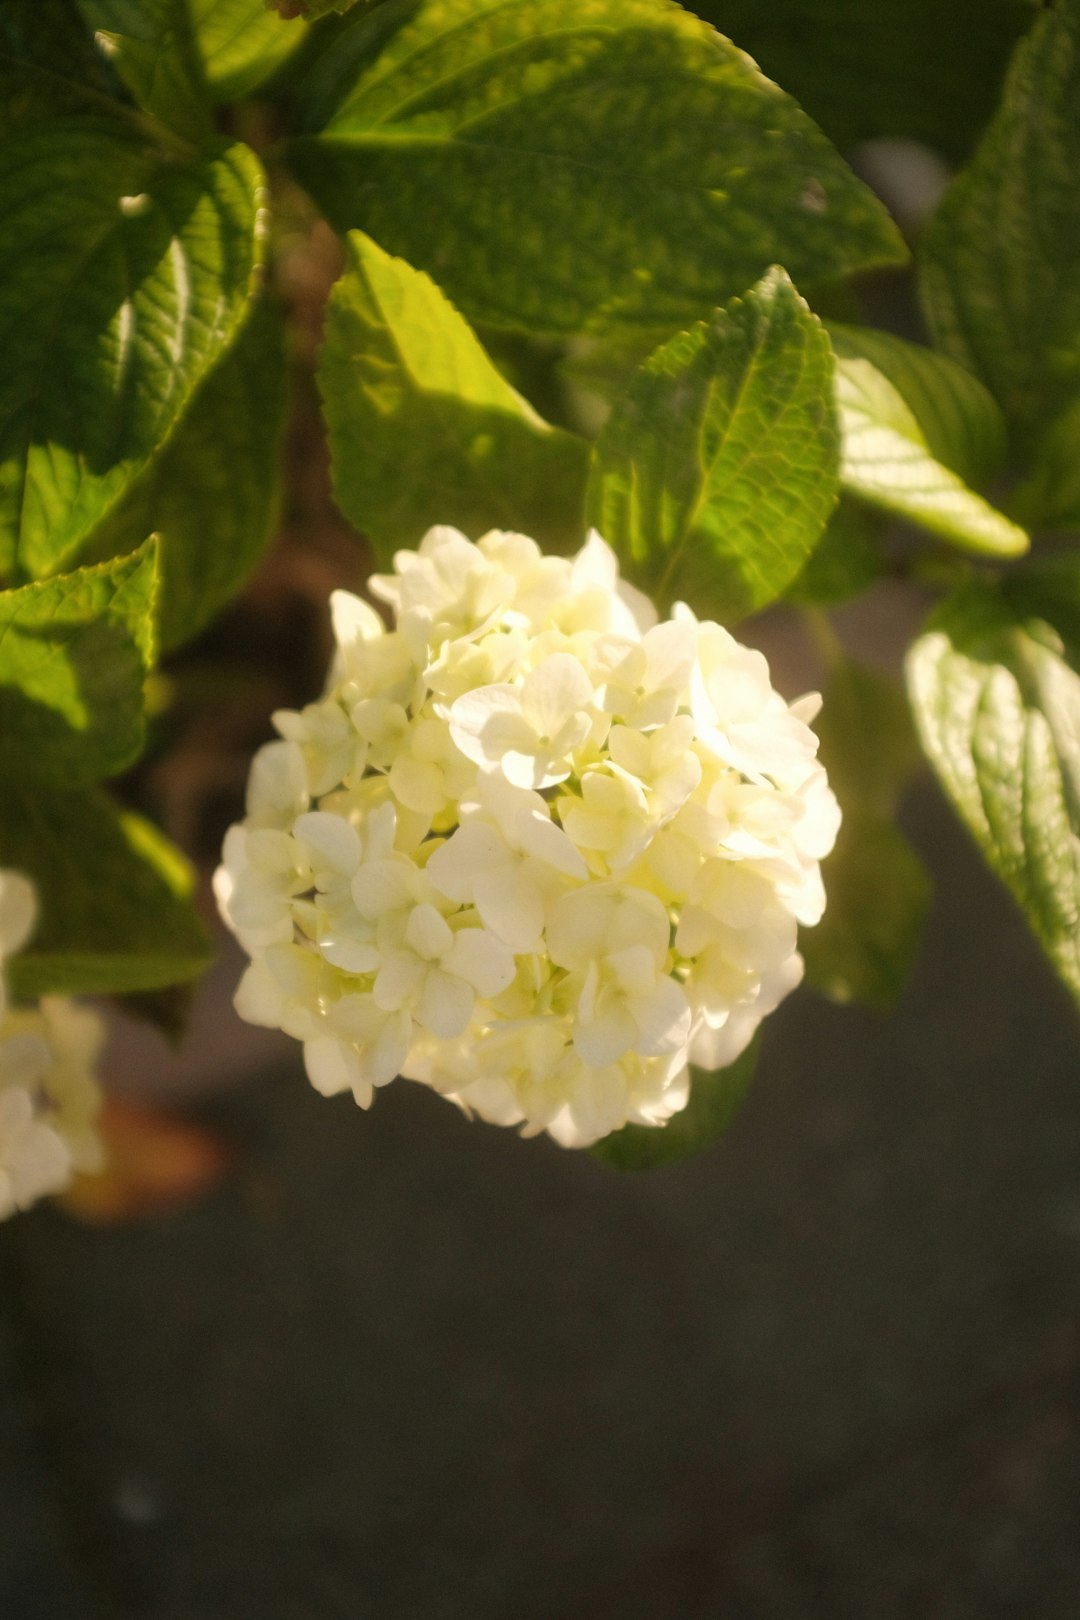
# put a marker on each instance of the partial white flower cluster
(532, 848)
(49, 1098)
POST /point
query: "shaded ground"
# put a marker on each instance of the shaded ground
(412, 1369)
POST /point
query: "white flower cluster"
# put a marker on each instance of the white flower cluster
(49, 1098)
(532, 847)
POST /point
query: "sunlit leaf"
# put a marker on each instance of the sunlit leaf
(715, 475)
(423, 429)
(74, 653)
(997, 702)
(590, 163)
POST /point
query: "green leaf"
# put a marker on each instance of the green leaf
(422, 427)
(910, 420)
(846, 560)
(241, 43)
(115, 897)
(48, 64)
(1049, 498)
(590, 163)
(879, 893)
(1001, 259)
(867, 742)
(125, 278)
(213, 494)
(714, 1101)
(714, 477)
(312, 9)
(151, 46)
(864, 69)
(74, 653)
(878, 890)
(960, 421)
(997, 703)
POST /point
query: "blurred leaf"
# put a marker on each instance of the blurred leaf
(878, 890)
(714, 1101)
(879, 893)
(116, 908)
(1049, 591)
(48, 63)
(167, 1010)
(846, 560)
(125, 278)
(960, 421)
(74, 653)
(1049, 498)
(867, 740)
(998, 709)
(313, 9)
(151, 46)
(715, 475)
(422, 427)
(864, 69)
(241, 43)
(1001, 258)
(590, 163)
(213, 494)
(910, 420)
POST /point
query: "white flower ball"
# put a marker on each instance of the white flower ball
(49, 1098)
(532, 847)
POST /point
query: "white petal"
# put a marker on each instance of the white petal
(397, 980)
(548, 843)
(474, 850)
(663, 1019)
(278, 782)
(387, 1056)
(605, 1039)
(331, 843)
(427, 933)
(482, 961)
(382, 886)
(418, 784)
(352, 619)
(345, 951)
(488, 721)
(554, 693)
(332, 1065)
(446, 1004)
(670, 649)
(511, 906)
(259, 998)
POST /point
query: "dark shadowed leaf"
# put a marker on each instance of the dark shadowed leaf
(212, 495)
(115, 897)
(151, 46)
(714, 1102)
(1001, 259)
(124, 279)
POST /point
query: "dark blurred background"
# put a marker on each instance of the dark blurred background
(399, 1365)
